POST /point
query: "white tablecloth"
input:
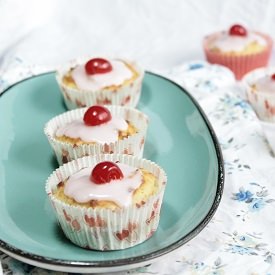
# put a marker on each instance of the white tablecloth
(36, 36)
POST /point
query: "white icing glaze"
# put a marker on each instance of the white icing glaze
(265, 84)
(116, 76)
(104, 133)
(82, 189)
(228, 43)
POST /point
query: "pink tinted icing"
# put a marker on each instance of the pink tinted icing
(104, 133)
(82, 189)
(265, 84)
(227, 43)
(116, 76)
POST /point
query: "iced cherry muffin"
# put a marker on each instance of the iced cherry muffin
(95, 130)
(107, 202)
(260, 91)
(100, 81)
(239, 49)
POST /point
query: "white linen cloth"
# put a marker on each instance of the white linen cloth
(37, 36)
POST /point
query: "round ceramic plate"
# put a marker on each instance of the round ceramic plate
(180, 139)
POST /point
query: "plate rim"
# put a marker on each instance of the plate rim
(149, 257)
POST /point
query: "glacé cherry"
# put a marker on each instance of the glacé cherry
(105, 172)
(97, 115)
(238, 30)
(98, 66)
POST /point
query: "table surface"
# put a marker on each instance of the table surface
(240, 237)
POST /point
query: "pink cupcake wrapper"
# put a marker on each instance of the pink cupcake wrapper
(123, 95)
(242, 64)
(104, 229)
(132, 145)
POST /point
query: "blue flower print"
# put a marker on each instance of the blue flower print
(254, 201)
(240, 250)
(248, 244)
(243, 195)
(257, 205)
(214, 268)
(243, 104)
(195, 66)
(232, 110)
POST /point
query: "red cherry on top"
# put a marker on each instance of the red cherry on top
(105, 171)
(98, 66)
(97, 115)
(238, 30)
(273, 76)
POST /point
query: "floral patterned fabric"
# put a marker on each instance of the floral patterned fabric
(240, 237)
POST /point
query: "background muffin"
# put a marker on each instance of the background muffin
(239, 49)
(260, 92)
(87, 82)
(97, 130)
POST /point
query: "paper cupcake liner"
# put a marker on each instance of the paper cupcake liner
(263, 103)
(105, 229)
(123, 95)
(132, 145)
(240, 64)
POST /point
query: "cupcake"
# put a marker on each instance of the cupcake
(100, 81)
(260, 91)
(107, 202)
(96, 130)
(239, 49)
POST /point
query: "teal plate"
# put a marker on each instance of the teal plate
(180, 139)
